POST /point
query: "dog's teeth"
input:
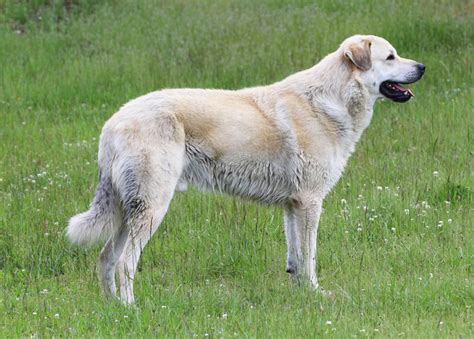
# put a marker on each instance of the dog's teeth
(411, 93)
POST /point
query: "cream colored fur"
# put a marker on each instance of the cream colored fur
(286, 144)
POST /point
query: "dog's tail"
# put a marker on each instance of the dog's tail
(103, 217)
(101, 220)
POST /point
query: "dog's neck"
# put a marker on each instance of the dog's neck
(359, 104)
(333, 88)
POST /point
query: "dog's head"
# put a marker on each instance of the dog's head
(380, 68)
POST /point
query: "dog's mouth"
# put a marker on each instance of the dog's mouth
(395, 91)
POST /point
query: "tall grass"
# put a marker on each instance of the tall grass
(396, 235)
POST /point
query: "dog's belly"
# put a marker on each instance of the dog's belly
(261, 180)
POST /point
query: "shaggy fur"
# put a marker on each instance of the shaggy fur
(286, 144)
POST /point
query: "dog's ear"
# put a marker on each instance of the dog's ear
(359, 54)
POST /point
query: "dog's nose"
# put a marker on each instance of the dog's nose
(421, 68)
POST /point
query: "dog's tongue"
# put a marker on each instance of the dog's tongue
(403, 89)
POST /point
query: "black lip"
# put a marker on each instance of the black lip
(394, 95)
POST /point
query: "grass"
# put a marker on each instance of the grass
(396, 236)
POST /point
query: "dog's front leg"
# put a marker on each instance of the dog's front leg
(301, 228)
(293, 241)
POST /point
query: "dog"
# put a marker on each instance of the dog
(284, 144)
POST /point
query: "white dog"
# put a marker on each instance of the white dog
(285, 144)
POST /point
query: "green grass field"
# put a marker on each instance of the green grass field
(396, 237)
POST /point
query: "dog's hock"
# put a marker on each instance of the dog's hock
(359, 54)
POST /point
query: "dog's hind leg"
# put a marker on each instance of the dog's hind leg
(144, 218)
(148, 189)
(108, 259)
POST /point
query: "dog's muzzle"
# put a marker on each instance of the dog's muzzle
(396, 92)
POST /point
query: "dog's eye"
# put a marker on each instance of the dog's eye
(391, 57)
